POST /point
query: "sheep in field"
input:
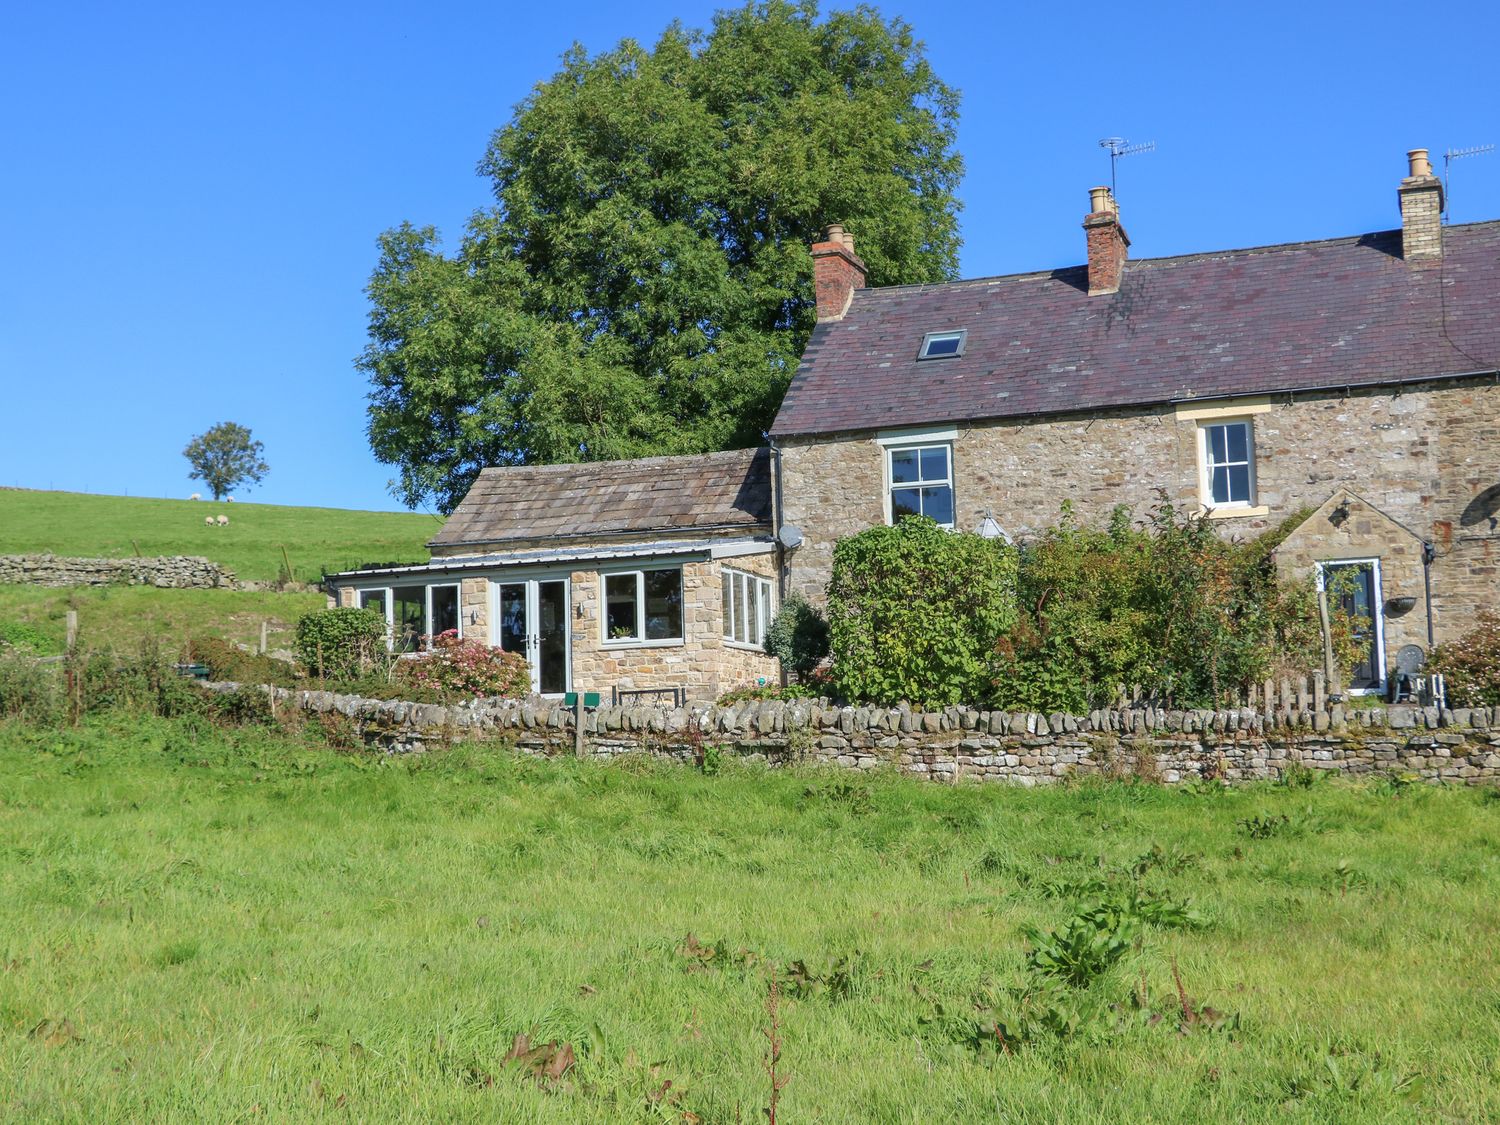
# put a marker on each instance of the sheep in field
(223, 521)
(208, 520)
(195, 496)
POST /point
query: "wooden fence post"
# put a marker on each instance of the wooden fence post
(262, 638)
(72, 630)
(578, 725)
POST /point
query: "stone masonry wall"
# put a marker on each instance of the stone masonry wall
(1461, 746)
(1428, 456)
(179, 572)
(702, 663)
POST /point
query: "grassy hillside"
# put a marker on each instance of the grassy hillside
(121, 617)
(70, 523)
(238, 925)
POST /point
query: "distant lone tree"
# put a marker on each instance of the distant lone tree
(224, 457)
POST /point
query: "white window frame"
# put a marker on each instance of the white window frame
(388, 593)
(891, 486)
(1377, 603)
(639, 639)
(1206, 466)
(737, 582)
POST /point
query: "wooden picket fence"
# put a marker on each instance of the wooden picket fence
(1308, 691)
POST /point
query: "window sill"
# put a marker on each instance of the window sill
(743, 646)
(632, 642)
(1227, 513)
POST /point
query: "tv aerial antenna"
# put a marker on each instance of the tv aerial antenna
(1118, 147)
(1458, 154)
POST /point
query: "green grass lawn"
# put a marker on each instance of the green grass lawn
(316, 539)
(200, 924)
(121, 617)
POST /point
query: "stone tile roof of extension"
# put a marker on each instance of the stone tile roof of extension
(602, 498)
(1342, 312)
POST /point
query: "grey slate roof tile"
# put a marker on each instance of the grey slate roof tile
(604, 498)
(1345, 311)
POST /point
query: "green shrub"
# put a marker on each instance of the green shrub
(29, 690)
(798, 636)
(341, 643)
(914, 613)
(469, 669)
(1169, 606)
(1470, 666)
(227, 661)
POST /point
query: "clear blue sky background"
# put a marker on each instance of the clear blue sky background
(191, 193)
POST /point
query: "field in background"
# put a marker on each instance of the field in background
(121, 617)
(242, 925)
(316, 539)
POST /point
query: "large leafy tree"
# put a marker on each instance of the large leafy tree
(643, 284)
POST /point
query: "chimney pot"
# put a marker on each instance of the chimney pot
(837, 272)
(1419, 163)
(1099, 200)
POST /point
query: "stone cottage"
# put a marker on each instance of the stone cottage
(1357, 376)
(649, 577)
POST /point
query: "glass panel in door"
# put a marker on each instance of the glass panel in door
(1352, 590)
(512, 630)
(551, 660)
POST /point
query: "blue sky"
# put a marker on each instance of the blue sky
(192, 193)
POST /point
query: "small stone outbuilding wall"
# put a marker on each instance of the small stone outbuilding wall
(177, 572)
(961, 744)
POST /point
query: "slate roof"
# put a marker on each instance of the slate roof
(653, 494)
(1341, 312)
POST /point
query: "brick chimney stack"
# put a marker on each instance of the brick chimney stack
(1108, 242)
(1421, 196)
(837, 272)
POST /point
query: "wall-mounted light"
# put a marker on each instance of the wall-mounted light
(473, 617)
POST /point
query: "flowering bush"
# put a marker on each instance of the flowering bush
(1470, 666)
(469, 668)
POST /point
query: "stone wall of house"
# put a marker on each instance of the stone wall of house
(702, 663)
(1461, 746)
(1428, 456)
(176, 572)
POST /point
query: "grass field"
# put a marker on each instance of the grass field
(200, 924)
(316, 539)
(121, 617)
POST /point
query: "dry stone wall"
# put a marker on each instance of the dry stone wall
(177, 572)
(960, 744)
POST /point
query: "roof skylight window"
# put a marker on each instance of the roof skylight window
(942, 345)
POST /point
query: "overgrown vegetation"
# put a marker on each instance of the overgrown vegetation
(914, 612)
(1470, 666)
(1168, 605)
(472, 935)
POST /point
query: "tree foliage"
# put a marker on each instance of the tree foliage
(643, 284)
(226, 457)
(914, 613)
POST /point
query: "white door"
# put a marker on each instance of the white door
(531, 618)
